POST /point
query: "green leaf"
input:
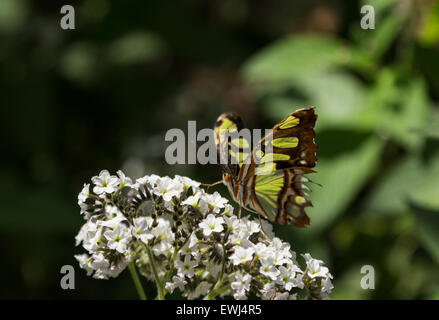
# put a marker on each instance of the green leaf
(400, 112)
(411, 180)
(426, 194)
(390, 196)
(293, 57)
(324, 91)
(379, 5)
(407, 123)
(429, 34)
(341, 178)
(377, 41)
(427, 222)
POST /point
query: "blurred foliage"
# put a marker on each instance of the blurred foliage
(102, 96)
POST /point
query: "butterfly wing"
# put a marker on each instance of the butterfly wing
(233, 148)
(289, 144)
(280, 197)
(282, 158)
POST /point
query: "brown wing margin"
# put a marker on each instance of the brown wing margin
(292, 201)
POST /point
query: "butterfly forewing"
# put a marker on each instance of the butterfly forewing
(289, 144)
(271, 182)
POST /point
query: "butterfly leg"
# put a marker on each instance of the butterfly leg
(262, 229)
(208, 185)
(239, 212)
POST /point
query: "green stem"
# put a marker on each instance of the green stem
(160, 295)
(136, 280)
(220, 278)
(216, 292)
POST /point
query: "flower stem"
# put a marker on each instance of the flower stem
(136, 280)
(160, 295)
(219, 282)
(217, 292)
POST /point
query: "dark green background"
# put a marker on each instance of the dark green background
(102, 96)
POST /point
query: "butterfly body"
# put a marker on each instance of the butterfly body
(269, 178)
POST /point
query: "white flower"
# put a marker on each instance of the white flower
(211, 224)
(268, 269)
(327, 284)
(242, 282)
(279, 258)
(163, 231)
(93, 240)
(281, 296)
(262, 250)
(228, 210)
(212, 269)
(124, 180)
(242, 255)
(141, 229)
(104, 183)
(232, 223)
(299, 281)
(187, 183)
(239, 238)
(286, 278)
(177, 282)
(114, 218)
(315, 267)
(192, 250)
(197, 202)
(186, 267)
(268, 291)
(87, 231)
(240, 295)
(186, 255)
(84, 194)
(118, 238)
(215, 201)
(202, 289)
(85, 263)
(168, 188)
(193, 240)
(99, 261)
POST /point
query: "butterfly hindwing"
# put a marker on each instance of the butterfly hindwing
(232, 148)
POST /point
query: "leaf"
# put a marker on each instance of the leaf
(400, 112)
(377, 41)
(341, 178)
(379, 5)
(429, 34)
(411, 180)
(293, 57)
(339, 99)
(407, 124)
(426, 194)
(428, 225)
(390, 196)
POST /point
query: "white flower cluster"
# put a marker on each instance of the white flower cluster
(182, 237)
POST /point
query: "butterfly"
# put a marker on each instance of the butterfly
(269, 179)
